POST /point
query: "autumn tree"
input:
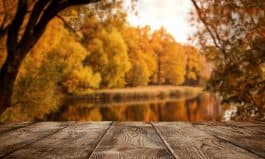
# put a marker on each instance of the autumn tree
(85, 19)
(158, 49)
(236, 29)
(141, 55)
(52, 68)
(108, 56)
(18, 45)
(170, 58)
(193, 66)
(173, 63)
(7, 12)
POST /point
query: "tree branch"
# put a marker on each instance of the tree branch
(34, 17)
(12, 39)
(198, 10)
(68, 26)
(35, 30)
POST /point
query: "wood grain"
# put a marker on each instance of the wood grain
(74, 142)
(249, 136)
(16, 139)
(97, 140)
(131, 140)
(12, 126)
(188, 142)
(246, 124)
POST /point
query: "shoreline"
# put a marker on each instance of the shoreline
(137, 93)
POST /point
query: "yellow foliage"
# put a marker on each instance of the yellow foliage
(82, 80)
(141, 54)
(109, 57)
(56, 57)
(171, 61)
(194, 63)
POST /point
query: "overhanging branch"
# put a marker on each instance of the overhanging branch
(68, 26)
(12, 39)
(214, 35)
(38, 21)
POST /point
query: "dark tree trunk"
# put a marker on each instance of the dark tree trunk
(9, 71)
(43, 11)
(8, 76)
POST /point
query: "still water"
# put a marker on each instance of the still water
(204, 107)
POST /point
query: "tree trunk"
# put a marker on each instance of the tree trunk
(8, 76)
(158, 70)
(43, 11)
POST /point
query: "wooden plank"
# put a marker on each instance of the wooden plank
(185, 141)
(259, 125)
(13, 140)
(76, 141)
(247, 136)
(12, 126)
(131, 140)
(255, 125)
(247, 127)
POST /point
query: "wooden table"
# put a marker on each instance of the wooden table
(137, 140)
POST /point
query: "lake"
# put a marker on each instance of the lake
(204, 107)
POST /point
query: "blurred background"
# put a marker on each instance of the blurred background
(133, 60)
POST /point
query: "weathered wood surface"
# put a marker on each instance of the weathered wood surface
(186, 141)
(75, 141)
(19, 138)
(139, 140)
(12, 126)
(131, 140)
(247, 136)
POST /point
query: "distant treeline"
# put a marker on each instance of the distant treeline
(110, 53)
(77, 55)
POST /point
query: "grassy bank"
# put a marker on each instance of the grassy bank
(101, 97)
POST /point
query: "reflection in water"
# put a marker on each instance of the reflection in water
(201, 108)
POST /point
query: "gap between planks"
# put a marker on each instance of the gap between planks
(168, 145)
(164, 142)
(131, 140)
(38, 139)
(14, 127)
(222, 138)
(100, 140)
(250, 151)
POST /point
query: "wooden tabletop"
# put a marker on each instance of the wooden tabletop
(132, 140)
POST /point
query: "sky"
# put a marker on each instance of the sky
(171, 14)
